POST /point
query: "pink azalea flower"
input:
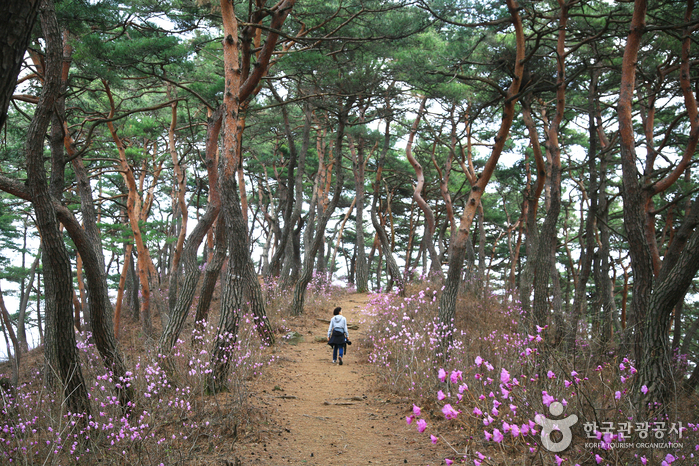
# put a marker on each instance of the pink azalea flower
(421, 425)
(598, 458)
(551, 375)
(547, 399)
(559, 460)
(669, 458)
(416, 410)
(448, 461)
(441, 395)
(497, 435)
(488, 436)
(409, 419)
(433, 439)
(644, 460)
(514, 430)
(479, 360)
(477, 411)
(617, 395)
(644, 389)
(455, 376)
(489, 366)
(449, 412)
(504, 376)
(442, 375)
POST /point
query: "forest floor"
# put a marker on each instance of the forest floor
(320, 413)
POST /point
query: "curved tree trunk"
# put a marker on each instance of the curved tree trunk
(447, 303)
(63, 365)
(545, 255)
(435, 265)
(311, 252)
(361, 264)
(187, 291)
(212, 272)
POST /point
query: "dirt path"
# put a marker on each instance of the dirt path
(321, 413)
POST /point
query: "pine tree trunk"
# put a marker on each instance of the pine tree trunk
(212, 272)
(179, 313)
(16, 23)
(63, 369)
(447, 304)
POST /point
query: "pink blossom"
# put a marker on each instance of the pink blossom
(669, 458)
(547, 399)
(598, 458)
(442, 375)
(617, 395)
(489, 366)
(559, 460)
(644, 389)
(514, 430)
(504, 376)
(409, 419)
(455, 376)
(497, 435)
(448, 461)
(449, 412)
(488, 436)
(416, 410)
(477, 411)
(479, 360)
(421, 425)
(433, 439)
(551, 375)
(441, 395)
(644, 460)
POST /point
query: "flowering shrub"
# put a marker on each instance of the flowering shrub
(168, 423)
(503, 393)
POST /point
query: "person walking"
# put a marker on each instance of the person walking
(337, 334)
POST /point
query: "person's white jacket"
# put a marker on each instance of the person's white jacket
(338, 322)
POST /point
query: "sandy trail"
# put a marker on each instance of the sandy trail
(321, 413)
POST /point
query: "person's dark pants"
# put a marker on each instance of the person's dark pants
(335, 348)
